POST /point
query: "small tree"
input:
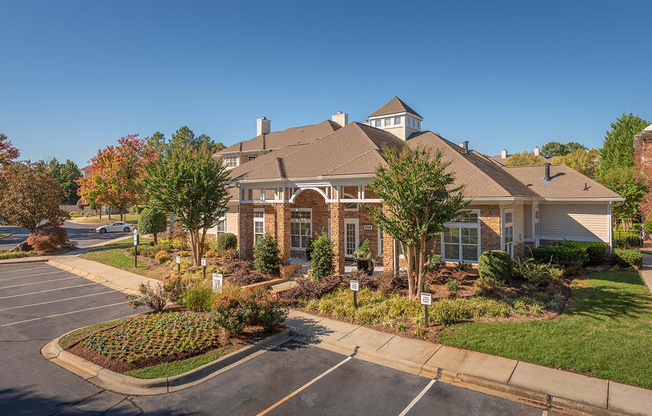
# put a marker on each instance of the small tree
(188, 183)
(267, 257)
(525, 159)
(321, 259)
(418, 199)
(30, 195)
(152, 222)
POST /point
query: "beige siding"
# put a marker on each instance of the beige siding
(519, 232)
(582, 222)
(232, 222)
(527, 221)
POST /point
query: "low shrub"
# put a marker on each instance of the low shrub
(242, 273)
(237, 309)
(226, 241)
(155, 299)
(48, 237)
(229, 255)
(210, 254)
(537, 273)
(563, 255)
(199, 298)
(596, 252)
(647, 226)
(434, 262)
(267, 255)
(269, 312)
(322, 257)
(175, 288)
(495, 267)
(308, 289)
(14, 255)
(389, 282)
(162, 256)
(452, 284)
(179, 240)
(626, 258)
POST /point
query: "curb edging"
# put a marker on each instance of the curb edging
(120, 383)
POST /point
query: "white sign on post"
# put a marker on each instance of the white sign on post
(355, 285)
(426, 299)
(203, 261)
(217, 282)
(135, 237)
(178, 259)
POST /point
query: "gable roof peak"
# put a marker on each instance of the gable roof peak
(394, 106)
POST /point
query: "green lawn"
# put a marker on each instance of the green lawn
(605, 331)
(179, 367)
(115, 257)
(130, 240)
(132, 218)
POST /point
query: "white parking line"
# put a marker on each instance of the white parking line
(62, 314)
(416, 399)
(59, 300)
(38, 283)
(49, 290)
(23, 269)
(300, 389)
(33, 275)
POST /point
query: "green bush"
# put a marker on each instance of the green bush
(225, 241)
(495, 266)
(647, 226)
(322, 257)
(155, 298)
(199, 299)
(537, 273)
(267, 257)
(434, 262)
(452, 285)
(236, 309)
(152, 222)
(563, 255)
(596, 252)
(626, 258)
(14, 255)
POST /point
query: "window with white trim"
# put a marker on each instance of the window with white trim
(231, 161)
(381, 239)
(259, 224)
(461, 239)
(508, 231)
(300, 228)
(377, 123)
(397, 120)
(221, 225)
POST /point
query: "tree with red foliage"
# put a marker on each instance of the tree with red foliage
(117, 173)
(7, 151)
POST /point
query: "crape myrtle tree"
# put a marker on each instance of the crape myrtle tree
(418, 199)
(117, 173)
(185, 181)
(30, 195)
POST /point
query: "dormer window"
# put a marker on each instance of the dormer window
(397, 120)
(231, 161)
(388, 122)
(377, 123)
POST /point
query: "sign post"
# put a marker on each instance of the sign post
(178, 260)
(355, 287)
(217, 282)
(426, 300)
(203, 265)
(135, 248)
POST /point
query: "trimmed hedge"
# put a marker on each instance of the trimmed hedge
(225, 241)
(565, 256)
(595, 251)
(626, 258)
(495, 266)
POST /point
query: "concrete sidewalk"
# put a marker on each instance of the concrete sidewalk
(108, 276)
(646, 271)
(565, 389)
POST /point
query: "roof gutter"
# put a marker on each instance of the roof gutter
(317, 178)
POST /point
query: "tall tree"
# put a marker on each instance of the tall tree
(554, 149)
(188, 183)
(67, 174)
(32, 195)
(8, 153)
(185, 135)
(618, 150)
(525, 159)
(117, 173)
(624, 181)
(583, 161)
(418, 199)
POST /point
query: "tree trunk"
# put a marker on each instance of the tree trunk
(421, 266)
(409, 259)
(155, 239)
(109, 212)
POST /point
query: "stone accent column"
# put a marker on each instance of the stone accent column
(246, 231)
(337, 235)
(388, 252)
(283, 229)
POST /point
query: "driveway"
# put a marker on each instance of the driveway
(39, 302)
(83, 234)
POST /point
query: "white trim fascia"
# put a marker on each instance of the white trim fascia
(490, 199)
(621, 199)
(402, 113)
(317, 178)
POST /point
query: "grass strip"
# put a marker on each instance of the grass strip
(605, 331)
(115, 257)
(179, 367)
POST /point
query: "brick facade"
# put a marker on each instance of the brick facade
(337, 235)
(246, 229)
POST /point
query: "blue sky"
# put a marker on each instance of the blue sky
(76, 76)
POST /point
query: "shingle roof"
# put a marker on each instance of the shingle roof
(353, 149)
(395, 105)
(565, 182)
(278, 139)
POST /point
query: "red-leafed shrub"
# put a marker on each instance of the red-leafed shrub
(235, 310)
(48, 237)
(242, 273)
(307, 289)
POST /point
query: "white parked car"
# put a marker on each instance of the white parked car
(116, 227)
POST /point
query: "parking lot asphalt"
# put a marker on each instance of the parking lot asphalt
(39, 302)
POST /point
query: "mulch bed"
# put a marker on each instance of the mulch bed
(223, 340)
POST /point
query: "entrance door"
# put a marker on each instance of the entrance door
(351, 237)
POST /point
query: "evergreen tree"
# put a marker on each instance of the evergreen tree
(618, 149)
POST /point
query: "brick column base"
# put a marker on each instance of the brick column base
(337, 235)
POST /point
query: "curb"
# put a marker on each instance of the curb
(120, 383)
(530, 397)
(22, 260)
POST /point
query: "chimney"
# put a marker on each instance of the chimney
(465, 146)
(341, 118)
(503, 154)
(537, 151)
(547, 170)
(263, 126)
